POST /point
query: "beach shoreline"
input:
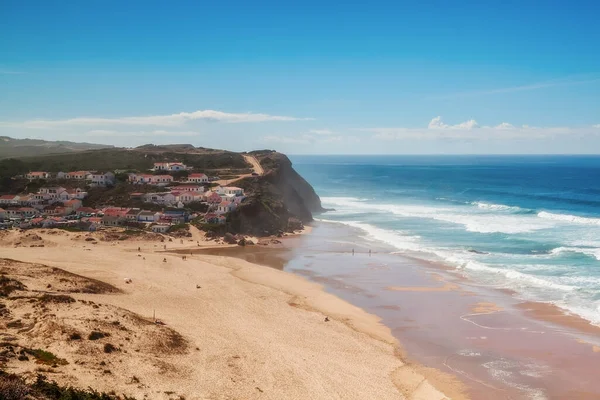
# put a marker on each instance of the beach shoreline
(481, 324)
(225, 306)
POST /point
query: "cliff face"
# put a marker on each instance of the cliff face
(277, 200)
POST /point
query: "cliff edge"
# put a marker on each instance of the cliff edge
(280, 200)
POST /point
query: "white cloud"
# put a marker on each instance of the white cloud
(153, 120)
(321, 132)
(437, 123)
(504, 125)
(597, 126)
(471, 130)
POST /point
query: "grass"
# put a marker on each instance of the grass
(13, 387)
(46, 357)
(60, 298)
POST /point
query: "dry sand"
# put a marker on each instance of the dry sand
(233, 330)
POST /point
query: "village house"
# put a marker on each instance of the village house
(165, 166)
(9, 199)
(81, 211)
(115, 211)
(161, 179)
(215, 219)
(52, 193)
(55, 210)
(27, 212)
(37, 175)
(77, 175)
(78, 193)
(148, 216)
(160, 198)
(3, 214)
(101, 179)
(184, 197)
(198, 178)
(72, 205)
(188, 188)
(132, 215)
(213, 198)
(225, 207)
(113, 220)
(236, 191)
(176, 216)
(160, 228)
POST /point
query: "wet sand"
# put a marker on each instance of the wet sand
(500, 347)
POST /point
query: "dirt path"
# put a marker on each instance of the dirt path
(255, 166)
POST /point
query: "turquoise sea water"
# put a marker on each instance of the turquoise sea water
(527, 223)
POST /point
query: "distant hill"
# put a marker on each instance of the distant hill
(16, 148)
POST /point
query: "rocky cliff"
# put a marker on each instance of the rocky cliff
(279, 200)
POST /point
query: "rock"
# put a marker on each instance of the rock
(89, 239)
(229, 238)
(249, 242)
(242, 242)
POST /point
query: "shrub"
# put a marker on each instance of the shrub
(95, 335)
(46, 357)
(109, 348)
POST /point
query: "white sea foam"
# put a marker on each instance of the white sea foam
(569, 218)
(395, 239)
(495, 207)
(594, 252)
(473, 222)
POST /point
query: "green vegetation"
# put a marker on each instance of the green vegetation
(13, 387)
(10, 147)
(46, 357)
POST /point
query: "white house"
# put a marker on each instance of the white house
(78, 193)
(160, 228)
(198, 178)
(161, 179)
(148, 216)
(101, 179)
(189, 188)
(160, 198)
(77, 175)
(37, 175)
(184, 197)
(53, 193)
(28, 212)
(225, 207)
(236, 191)
(165, 166)
(9, 199)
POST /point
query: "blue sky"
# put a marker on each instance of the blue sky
(305, 77)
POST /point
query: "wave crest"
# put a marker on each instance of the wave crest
(569, 218)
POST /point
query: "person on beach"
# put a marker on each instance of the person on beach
(352, 251)
(164, 260)
(139, 249)
(369, 252)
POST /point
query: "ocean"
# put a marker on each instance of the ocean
(530, 224)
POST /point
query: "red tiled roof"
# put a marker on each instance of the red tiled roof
(7, 197)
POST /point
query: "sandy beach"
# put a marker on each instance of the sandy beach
(232, 329)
